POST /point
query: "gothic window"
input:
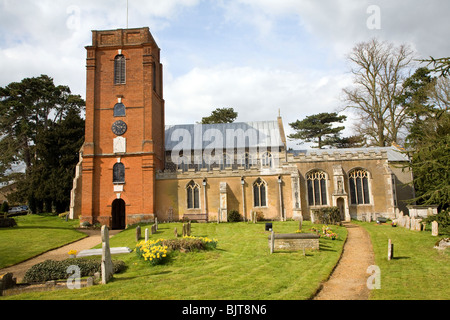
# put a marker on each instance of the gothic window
(317, 188)
(119, 173)
(359, 186)
(259, 193)
(246, 160)
(193, 195)
(119, 69)
(119, 110)
(266, 159)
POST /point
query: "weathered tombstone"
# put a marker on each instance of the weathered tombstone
(408, 222)
(176, 233)
(146, 234)
(107, 266)
(300, 224)
(390, 250)
(434, 229)
(90, 282)
(156, 223)
(138, 233)
(188, 231)
(184, 229)
(272, 242)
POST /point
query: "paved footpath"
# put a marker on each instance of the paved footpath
(94, 238)
(349, 279)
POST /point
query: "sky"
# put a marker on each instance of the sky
(260, 57)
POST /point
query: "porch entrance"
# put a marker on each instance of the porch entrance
(118, 214)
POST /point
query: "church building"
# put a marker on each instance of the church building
(133, 168)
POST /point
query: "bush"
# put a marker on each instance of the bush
(57, 270)
(443, 220)
(329, 215)
(7, 223)
(5, 207)
(234, 216)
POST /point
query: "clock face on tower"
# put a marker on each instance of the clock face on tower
(119, 128)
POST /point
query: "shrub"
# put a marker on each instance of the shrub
(328, 215)
(7, 223)
(57, 270)
(234, 216)
(5, 207)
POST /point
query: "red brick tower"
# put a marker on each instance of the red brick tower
(124, 144)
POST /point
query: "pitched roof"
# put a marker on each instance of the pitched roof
(237, 135)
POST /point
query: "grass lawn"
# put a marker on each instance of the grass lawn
(418, 271)
(241, 267)
(34, 235)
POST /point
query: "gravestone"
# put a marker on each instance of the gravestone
(156, 223)
(184, 229)
(146, 234)
(176, 233)
(272, 242)
(434, 229)
(107, 265)
(138, 233)
(390, 250)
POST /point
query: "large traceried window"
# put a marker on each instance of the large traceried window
(317, 188)
(359, 186)
(119, 173)
(259, 193)
(119, 69)
(193, 195)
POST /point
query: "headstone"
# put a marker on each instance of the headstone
(434, 229)
(272, 242)
(156, 223)
(147, 233)
(390, 250)
(90, 282)
(184, 229)
(407, 222)
(176, 233)
(138, 233)
(107, 265)
(188, 229)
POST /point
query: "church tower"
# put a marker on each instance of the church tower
(124, 143)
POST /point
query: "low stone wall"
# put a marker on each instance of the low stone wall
(295, 241)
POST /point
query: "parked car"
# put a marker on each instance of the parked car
(17, 210)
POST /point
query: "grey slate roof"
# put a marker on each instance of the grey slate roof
(393, 153)
(239, 134)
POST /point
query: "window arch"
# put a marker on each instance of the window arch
(359, 186)
(193, 195)
(119, 69)
(119, 173)
(259, 193)
(246, 160)
(317, 187)
(266, 159)
(119, 110)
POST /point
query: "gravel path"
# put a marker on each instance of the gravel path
(94, 238)
(349, 279)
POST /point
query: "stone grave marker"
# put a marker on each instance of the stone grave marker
(390, 250)
(146, 234)
(434, 229)
(107, 265)
(138, 233)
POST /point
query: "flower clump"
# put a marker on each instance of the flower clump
(209, 243)
(72, 252)
(326, 232)
(152, 251)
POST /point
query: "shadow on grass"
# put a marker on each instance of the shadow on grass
(142, 275)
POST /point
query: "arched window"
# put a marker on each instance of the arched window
(119, 69)
(317, 188)
(246, 160)
(119, 110)
(359, 186)
(193, 195)
(119, 173)
(266, 159)
(259, 193)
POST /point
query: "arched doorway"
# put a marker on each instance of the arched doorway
(118, 214)
(341, 205)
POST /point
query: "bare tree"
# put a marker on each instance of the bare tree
(379, 69)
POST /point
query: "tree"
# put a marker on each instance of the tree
(379, 70)
(42, 129)
(221, 115)
(426, 100)
(318, 129)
